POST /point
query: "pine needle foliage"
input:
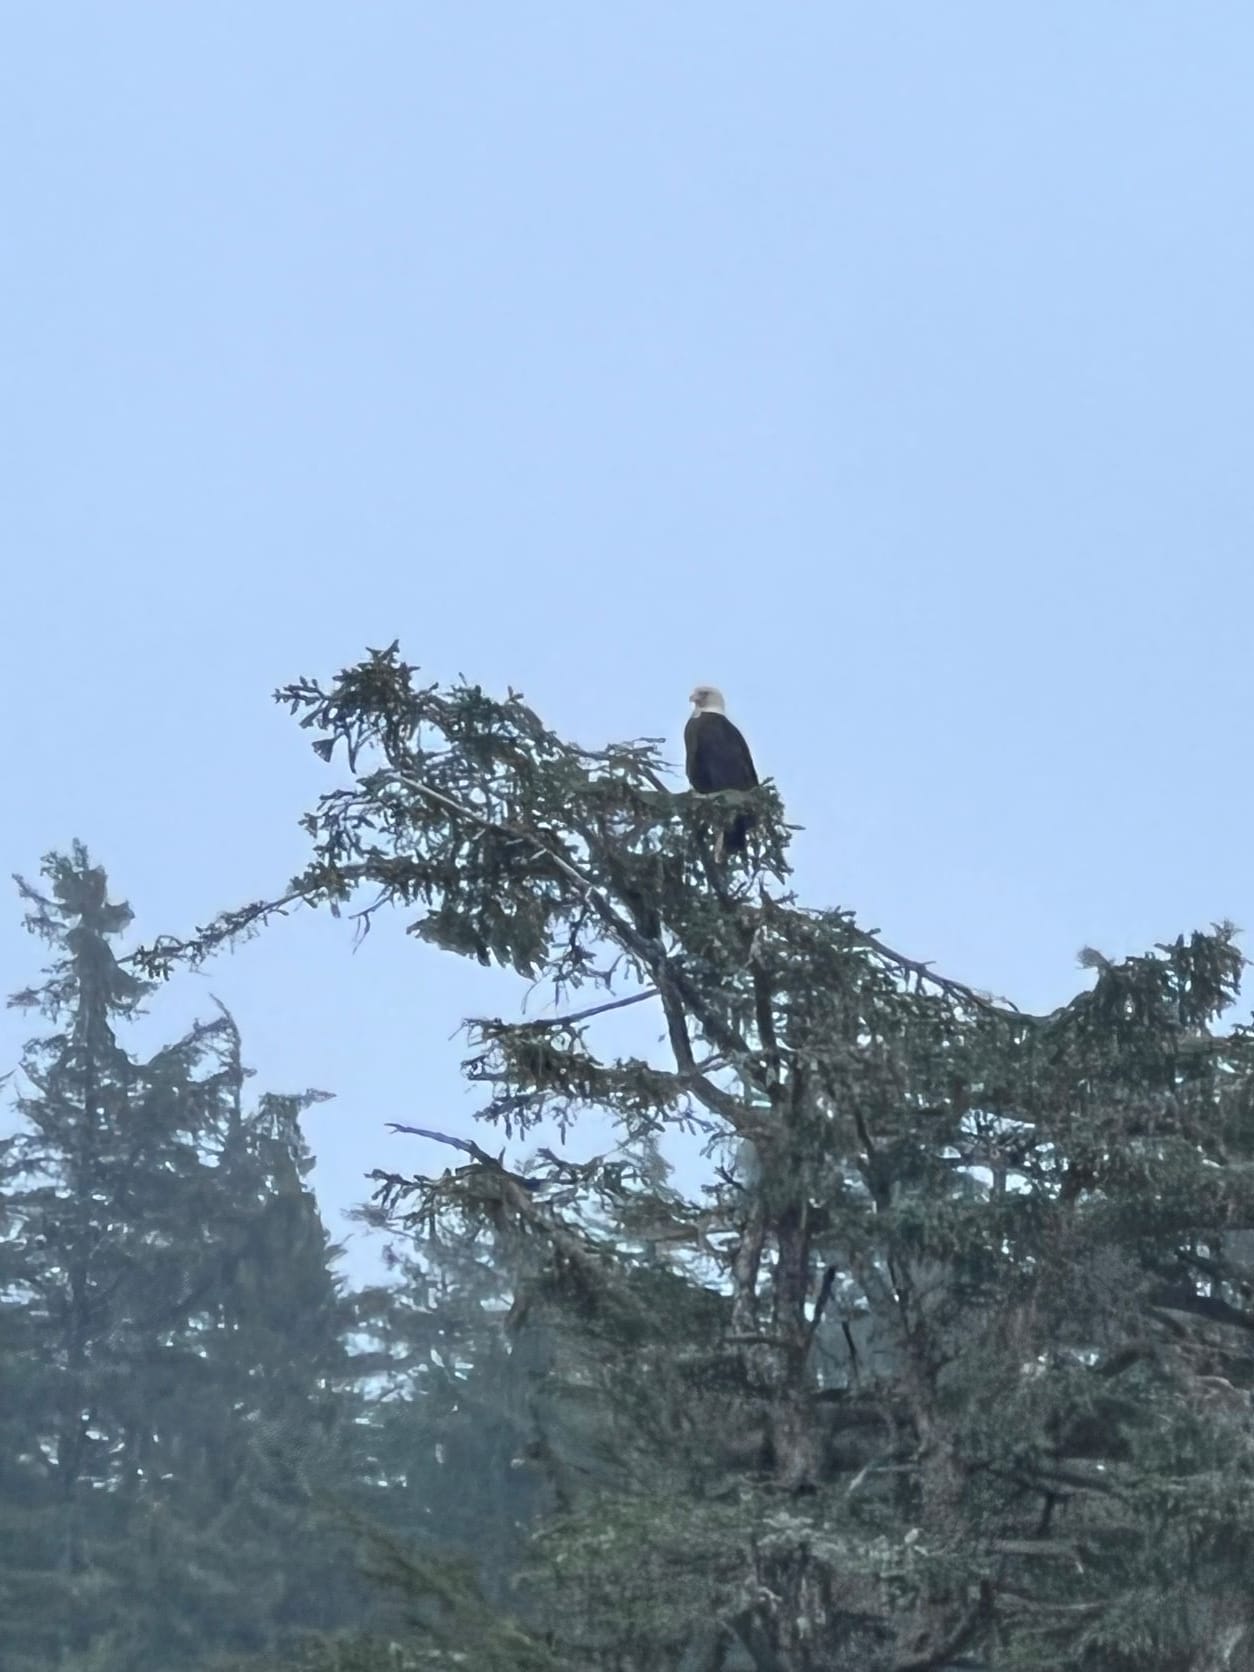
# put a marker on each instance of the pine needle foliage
(171, 1361)
(954, 1369)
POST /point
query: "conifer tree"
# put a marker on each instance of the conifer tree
(169, 1332)
(246, 1549)
(96, 1193)
(446, 1418)
(952, 1366)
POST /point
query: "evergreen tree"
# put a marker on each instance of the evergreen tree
(168, 1333)
(97, 1187)
(243, 1548)
(952, 1367)
(446, 1423)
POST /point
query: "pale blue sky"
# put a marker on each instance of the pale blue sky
(889, 366)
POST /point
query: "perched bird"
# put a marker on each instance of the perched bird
(718, 758)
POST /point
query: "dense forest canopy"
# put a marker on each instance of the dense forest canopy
(946, 1365)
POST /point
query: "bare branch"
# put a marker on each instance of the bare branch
(574, 1017)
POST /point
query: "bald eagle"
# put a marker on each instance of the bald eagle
(718, 758)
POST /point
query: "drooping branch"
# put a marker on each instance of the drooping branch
(922, 972)
(520, 1056)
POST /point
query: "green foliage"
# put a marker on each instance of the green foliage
(952, 1367)
(442, 1623)
(170, 1333)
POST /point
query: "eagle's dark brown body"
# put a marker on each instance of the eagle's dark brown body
(718, 758)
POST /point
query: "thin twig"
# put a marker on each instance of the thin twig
(922, 971)
(576, 1016)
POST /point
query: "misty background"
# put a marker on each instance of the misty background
(888, 367)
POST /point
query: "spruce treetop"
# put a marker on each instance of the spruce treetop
(976, 1340)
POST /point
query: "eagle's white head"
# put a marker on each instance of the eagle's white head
(707, 699)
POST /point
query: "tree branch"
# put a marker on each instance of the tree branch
(979, 1615)
(574, 1017)
(922, 971)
